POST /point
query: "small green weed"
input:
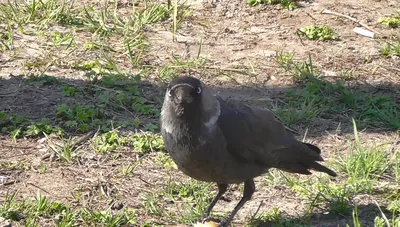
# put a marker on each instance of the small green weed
(393, 22)
(273, 216)
(127, 169)
(42, 211)
(44, 80)
(146, 142)
(96, 66)
(6, 41)
(300, 70)
(391, 49)
(164, 160)
(10, 208)
(121, 92)
(70, 91)
(35, 129)
(64, 149)
(80, 118)
(60, 39)
(152, 203)
(18, 126)
(143, 142)
(289, 4)
(318, 33)
(109, 141)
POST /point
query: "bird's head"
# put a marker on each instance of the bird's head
(184, 94)
(189, 100)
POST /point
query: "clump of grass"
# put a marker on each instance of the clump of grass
(60, 39)
(395, 165)
(273, 216)
(318, 33)
(6, 41)
(126, 217)
(363, 164)
(195, 196)
(320, 96)
(338, 197)
(391, 49)
(289, 4)
(178, 66)
(393, 22)
(192, 196)
(10, 209)
(42, 211)
(300, 70)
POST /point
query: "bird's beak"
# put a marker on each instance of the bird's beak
(182, 96)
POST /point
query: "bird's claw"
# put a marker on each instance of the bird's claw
(223, 223)
(205, 218)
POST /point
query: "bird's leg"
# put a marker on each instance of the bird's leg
(221, 190)
(249, 189)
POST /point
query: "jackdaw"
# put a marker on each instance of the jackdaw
(228, 142)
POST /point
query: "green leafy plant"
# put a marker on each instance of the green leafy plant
(289, 4)
(147, 142)
(80, 118)
(393, 22)
(17, 126)
(70, 91)
(110, 141)
(318, 33)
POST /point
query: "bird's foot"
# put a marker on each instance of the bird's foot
(205, 218)
(224, 223)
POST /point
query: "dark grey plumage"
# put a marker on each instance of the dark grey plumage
(227, 142)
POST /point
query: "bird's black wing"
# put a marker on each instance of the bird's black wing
(255, 135)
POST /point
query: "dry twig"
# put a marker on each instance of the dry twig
(327, 11)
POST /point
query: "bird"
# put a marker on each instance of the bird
(226, 141)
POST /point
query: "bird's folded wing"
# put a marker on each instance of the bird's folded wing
(255, 135)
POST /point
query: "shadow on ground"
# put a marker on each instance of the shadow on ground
(77, 106)
(365, 217)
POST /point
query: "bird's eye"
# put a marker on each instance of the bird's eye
(198, 90)
(169, 93)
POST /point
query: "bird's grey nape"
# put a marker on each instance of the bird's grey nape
(211, 107)
(167, 123)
